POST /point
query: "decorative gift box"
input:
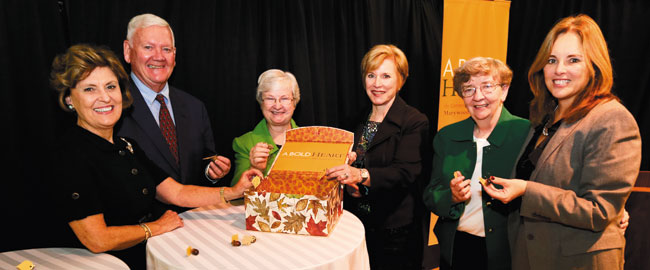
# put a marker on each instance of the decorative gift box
(296, 197)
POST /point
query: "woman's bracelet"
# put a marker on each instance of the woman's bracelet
(147, 231)
(223, 198)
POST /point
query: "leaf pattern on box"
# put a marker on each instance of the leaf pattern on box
(316, 228)
(261, 208)
(281, 205)
(301, 205)
(290, 215)
(291, 201)
(250, 220)
(274, 196)
(295, 196)
(276, 224)
(276, 215)
(294, 222)
(263, 226)
(314, 205)
(332, 203)
(247, 199)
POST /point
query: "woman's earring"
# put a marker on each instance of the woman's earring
(71, 107)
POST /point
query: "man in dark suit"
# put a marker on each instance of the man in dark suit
(170, 125)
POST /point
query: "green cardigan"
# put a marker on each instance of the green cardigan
(242, 146)
(455, 150)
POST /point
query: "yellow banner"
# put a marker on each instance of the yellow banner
(470, 28)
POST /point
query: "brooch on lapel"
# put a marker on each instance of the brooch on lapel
(128, 145)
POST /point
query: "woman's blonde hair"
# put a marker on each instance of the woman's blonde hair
(376, 56)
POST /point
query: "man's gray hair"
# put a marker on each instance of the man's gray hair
(146, 20)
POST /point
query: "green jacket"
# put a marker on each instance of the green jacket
(242, 146)
(455, 150)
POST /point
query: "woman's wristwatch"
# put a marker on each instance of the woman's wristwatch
(364, 176)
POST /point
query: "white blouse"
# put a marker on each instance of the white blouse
(472, 219)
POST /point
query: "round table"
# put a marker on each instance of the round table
(209, 229)
(61, 258)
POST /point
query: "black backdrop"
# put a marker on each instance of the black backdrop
(222, 46)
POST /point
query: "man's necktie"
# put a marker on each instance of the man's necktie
(167, 126)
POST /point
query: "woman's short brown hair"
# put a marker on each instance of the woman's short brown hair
(78, 62)
(376, 56)
(599, 67)
(481, 66)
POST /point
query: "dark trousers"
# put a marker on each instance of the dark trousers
(394, 248)
(469, 252)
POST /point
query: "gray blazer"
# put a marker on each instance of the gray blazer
(576, 194)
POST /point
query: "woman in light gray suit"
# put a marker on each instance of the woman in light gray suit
(582, 159)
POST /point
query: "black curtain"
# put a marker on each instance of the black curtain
(223, 46)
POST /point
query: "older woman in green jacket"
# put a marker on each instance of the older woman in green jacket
(472, 229)
(278, 94)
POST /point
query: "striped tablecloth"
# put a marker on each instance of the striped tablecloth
(210, 230)
(61, 258)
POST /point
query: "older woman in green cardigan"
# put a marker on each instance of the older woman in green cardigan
(472, 228)
(278, 94)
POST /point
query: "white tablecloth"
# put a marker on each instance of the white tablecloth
(210, 229)
(61, 258)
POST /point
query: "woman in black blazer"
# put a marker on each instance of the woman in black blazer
(381, 182)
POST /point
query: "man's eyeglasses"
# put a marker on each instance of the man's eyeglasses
(486, 89)
(269, 101)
